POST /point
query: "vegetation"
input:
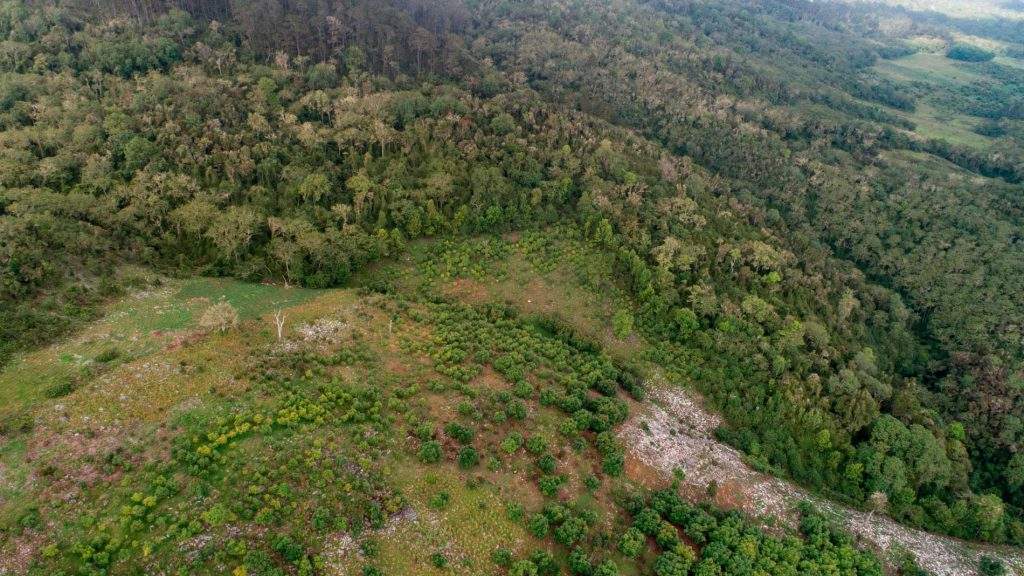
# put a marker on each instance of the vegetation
(748, 189)
(969, 53)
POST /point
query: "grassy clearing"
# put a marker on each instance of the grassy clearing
(133, 329)
(933, 122)
(927, 72)
(465, 531)
(546, 274)
(928, 68)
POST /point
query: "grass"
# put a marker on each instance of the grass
(132, 329)
(932, 122)
(927, 72)
(466, 531)
(929, 68)
(545, 274)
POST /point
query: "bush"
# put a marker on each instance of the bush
(430, 452)
(523, 568)
(672, 564)
(463, 434)
(632, 542)
(538, 525)
(547, 463)
(989, 566)
(220, 317)
(571, 531)
(969, 53)
(468, 457)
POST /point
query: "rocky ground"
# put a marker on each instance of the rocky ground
(673, 431)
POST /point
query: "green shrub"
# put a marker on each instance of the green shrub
(989, 566)
(547, 463)
(463, 434)
(536, 445)
(430, 452)
(468, 457)
(538, 525)
(632, 542)
(969, 53)
(502, 557)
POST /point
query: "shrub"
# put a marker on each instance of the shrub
(622, 324)
(468, 457)
(549, 485)
(516, 410)
(606, 568)
(632, 542)
(989, 566)
(430, 452)
(463, 434)
(613, 464)
(648, 521)
(61, 389)
(440, 500)
(672, 564)
(502, 557)
(523, 568)
(323, 519)
(514, 511)
(512, 442)
(969, 53)
(216, 515)
(571, 531)
(538, 525)
(109, 355)
(536, 445)
(667, 536)
(220, 317)
(547, 463)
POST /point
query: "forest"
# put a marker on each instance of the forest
(814, 210)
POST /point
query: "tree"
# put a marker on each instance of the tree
(232, 230)
(671, 563)
(315, 187)
(279, 318)
(877, 502)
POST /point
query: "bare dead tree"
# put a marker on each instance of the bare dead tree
(279, 318)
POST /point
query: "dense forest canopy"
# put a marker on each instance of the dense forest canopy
(844, 284)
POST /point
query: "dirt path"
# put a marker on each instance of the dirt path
(674, 431)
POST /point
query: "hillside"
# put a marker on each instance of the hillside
(258, 258)
(417, 431)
